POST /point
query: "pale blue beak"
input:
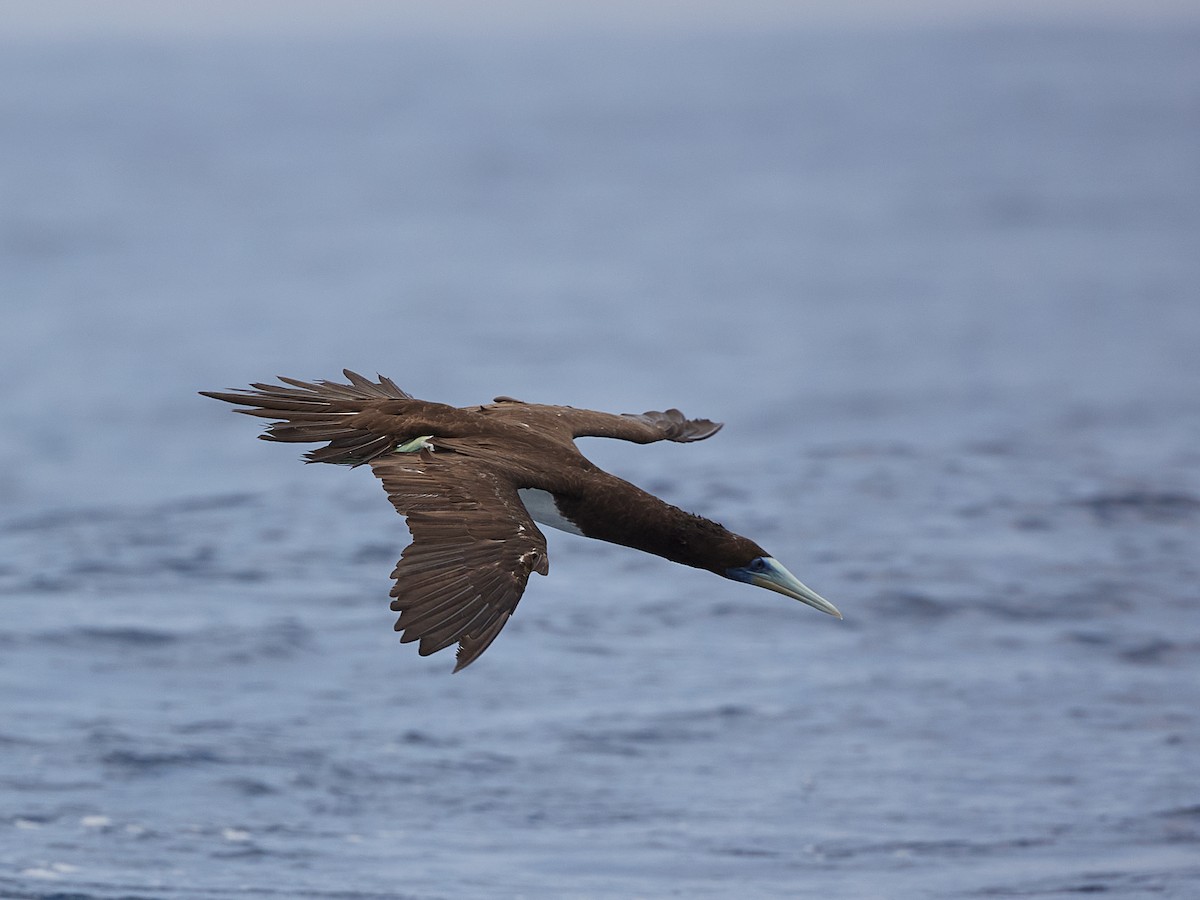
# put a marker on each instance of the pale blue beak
(769, 573)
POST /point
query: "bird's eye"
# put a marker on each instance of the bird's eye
(759, 565)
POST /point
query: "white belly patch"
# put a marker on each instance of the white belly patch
(542, 508)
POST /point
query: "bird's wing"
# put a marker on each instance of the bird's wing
(474, 547)
(360, 420)
(640, 428)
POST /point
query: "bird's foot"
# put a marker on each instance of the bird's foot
(415, 445)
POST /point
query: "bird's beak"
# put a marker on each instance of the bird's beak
(777, 578)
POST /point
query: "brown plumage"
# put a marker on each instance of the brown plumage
(457, 475)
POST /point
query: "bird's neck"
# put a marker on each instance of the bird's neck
(621, 513)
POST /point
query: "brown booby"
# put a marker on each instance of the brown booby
(473, 480)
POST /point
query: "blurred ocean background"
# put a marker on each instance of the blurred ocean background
(942, 283)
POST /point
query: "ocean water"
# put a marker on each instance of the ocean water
(942, 286)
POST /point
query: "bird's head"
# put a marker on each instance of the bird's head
(707, 545)
(763, 570)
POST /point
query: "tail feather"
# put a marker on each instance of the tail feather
(353, 449)
(320, 411)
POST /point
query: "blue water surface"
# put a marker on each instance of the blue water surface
(942, 286)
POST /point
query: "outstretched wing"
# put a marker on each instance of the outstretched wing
(360, 420)
(640, 428)
(474, 547)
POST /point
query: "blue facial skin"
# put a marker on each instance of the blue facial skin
(746, 573)
(769, 573)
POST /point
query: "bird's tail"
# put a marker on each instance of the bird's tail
(321, 411)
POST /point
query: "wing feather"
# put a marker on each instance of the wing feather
(474, 547)
(640, 428)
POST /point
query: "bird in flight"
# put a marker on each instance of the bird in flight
(472, 481)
